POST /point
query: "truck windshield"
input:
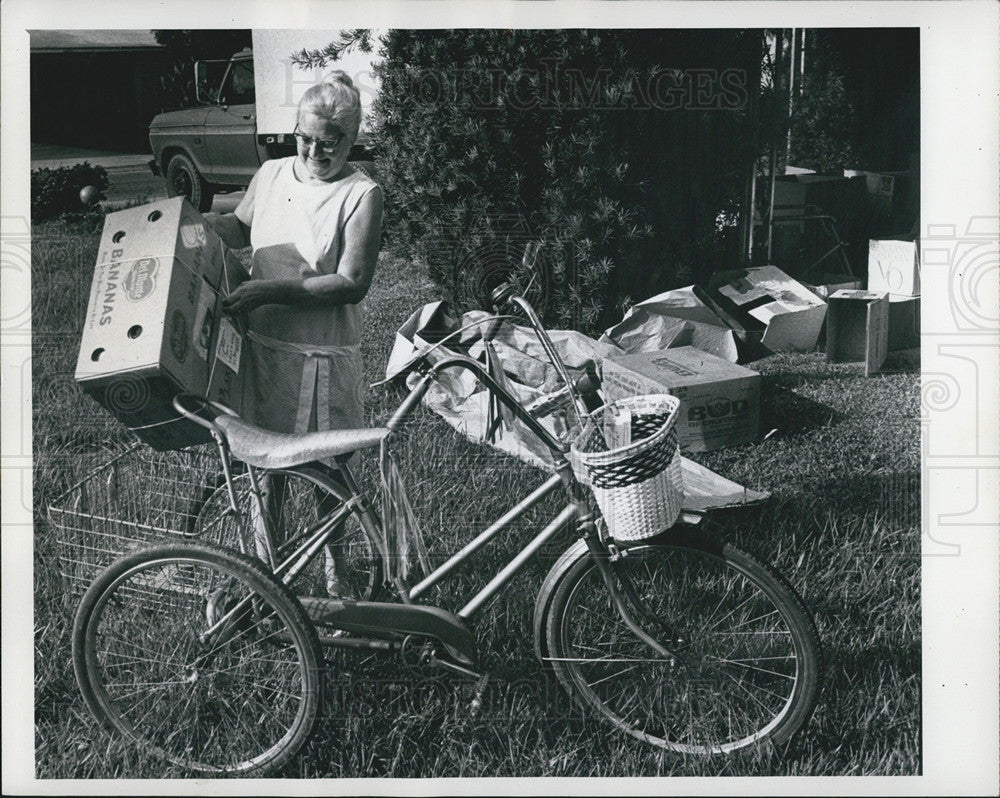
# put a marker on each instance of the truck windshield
(238, 88)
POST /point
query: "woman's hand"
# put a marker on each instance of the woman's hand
(252, 294)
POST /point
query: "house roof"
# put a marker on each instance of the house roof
(59, 40)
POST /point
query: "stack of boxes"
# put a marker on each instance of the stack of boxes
(867, 325)
(154, 325)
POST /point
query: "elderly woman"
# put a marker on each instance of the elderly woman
(314, 223)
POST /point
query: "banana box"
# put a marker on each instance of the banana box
(154, 321)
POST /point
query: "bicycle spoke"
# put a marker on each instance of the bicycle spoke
(758, 670)
(154, 707)
(626, 707)
(144, 685)
(607, 659)
(730, 614)
(755, 620)
(740, 684)
(238, 703)
(612, 676)
(724, 688)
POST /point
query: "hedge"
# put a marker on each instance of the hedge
(619, 150)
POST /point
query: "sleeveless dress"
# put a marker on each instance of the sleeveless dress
(303, 364)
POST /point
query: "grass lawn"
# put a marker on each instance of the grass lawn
(843, 525)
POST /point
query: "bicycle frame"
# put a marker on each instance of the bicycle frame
(310, 543)
(575, 510)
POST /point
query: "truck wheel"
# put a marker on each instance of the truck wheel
(184, 180)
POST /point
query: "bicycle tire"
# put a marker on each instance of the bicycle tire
(308, 488)
(241, 703)
(746, 664)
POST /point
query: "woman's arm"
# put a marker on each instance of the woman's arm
(362, 242)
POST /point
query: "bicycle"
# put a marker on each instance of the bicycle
(207, 654)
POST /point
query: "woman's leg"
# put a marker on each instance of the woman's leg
(272, 493)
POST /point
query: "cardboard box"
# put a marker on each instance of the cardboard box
(169, 228)
(720, 401)
(225, 369)
(154, 323)
(683, 317)
(893, 266)
(885, 189)
(790, 313)
(857, 328)
(904, 322)
(831, 283)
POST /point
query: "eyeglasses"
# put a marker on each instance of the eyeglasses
(327, 145)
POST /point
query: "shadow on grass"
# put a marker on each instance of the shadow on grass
(903, 361)
(894, 496)
(810, 370)
(862, 669)
(854, 698)
(789, 412)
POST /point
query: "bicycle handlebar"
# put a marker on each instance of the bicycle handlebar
(579, 406)
(503, 295)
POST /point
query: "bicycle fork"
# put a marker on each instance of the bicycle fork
(623, 594)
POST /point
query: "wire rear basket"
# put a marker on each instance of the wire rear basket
(135, 500)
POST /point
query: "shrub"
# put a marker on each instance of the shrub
(56, 192)
(486, 139)
(824, 121)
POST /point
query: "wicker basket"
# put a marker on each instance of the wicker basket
(638, 485)
(138, 498)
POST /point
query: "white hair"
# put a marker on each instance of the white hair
(336, 99)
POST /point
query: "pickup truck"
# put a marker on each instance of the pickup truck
(216, 146)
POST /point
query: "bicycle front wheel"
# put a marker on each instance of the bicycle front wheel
(743, 661)
(199, 656)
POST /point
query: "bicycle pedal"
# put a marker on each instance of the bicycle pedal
(477, 699)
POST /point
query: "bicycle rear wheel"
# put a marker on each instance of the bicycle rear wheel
(307, 494)
(744, 663)
(239, 698)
